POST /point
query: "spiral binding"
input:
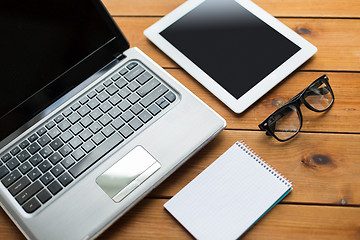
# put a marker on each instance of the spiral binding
(249, 151)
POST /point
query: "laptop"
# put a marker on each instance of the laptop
(88, 126)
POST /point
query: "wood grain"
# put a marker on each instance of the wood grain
(293, 8)
(324, 168)
(346, 107)
(337, 41)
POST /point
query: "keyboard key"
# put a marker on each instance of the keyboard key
(95, 127)
(11, 178)
(105, 120)
(154, 109)
(50, 125)
(44, 140)
(133, 86)
(46, 151)
(83, 100)
(56, 144)
(85, 122)
(65, 150)
(124, 105)
(53, 133)
(131, 65)
(114, 100)
(15, 151)
(108, 131)
(115, 112)
(146, 76)
(64, 125)
(19, 186)
(35, 160)
(74, 117)
(148, 87)
(145, 116)
(75, 142)
(41, 131)
(126, 131)
(31, 206)
(34, 174)
(6, 157)
(83, 111)
(112, 90)
(24, 144)
(13, 163)
(25, 167)
(123, 71)
(133, 98)
(33, 137)
(33, 148)
(91, 94)
(3, 171)
(66, 136)
(100, 88)
(47, 178)
(96, 114)
(162, 103)
(57, 170)
(170, 96)
(59, 118)
(76, 129)
(98, 138)
(44, 196)
(67, 112)
(75, 106)
(88, 146)
(85, 135)
(115, 77)
(135, 124)
(29, 192)
(136, 109)
(102, 96)
(94, 156)
(105, 107)
(44, 166)
(134, 73)
(93, 103)
(155, 94)
(23, 156)
(117, 123)
(124, 92)
(67, 162)
(107, 82)
(65, 179)
(127, 116)
(55, 158)
(54, 187)
(78, 154)
(121, 83)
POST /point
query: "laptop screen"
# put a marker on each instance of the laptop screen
(47, 48)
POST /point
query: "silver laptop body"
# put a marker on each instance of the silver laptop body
(111, 185)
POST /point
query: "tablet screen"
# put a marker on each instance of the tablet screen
(230, 44)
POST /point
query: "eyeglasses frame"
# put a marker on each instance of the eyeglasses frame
(296, 102)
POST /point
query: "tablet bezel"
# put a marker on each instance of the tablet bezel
(258, 90)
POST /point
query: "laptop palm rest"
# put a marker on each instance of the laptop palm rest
(127, 173)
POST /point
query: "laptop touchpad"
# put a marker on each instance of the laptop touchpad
(128, 173)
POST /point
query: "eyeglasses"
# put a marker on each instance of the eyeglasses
(286, 122)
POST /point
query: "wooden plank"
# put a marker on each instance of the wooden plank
(335, 39)
(346, 87)
(149, 220)
(293, 8)
(323, 167)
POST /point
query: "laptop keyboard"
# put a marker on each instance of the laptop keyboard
(53, 156)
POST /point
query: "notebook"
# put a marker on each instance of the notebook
(229, 196)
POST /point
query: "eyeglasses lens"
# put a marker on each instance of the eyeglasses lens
(287, 123)
(319, 96)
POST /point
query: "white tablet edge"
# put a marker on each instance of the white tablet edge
(237, 105)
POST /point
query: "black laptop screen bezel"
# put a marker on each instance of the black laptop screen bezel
(59, 86)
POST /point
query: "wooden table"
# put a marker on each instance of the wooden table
(323, 161)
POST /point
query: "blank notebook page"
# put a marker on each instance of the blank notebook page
(229, 196)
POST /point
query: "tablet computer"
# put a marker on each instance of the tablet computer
(232, 47)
